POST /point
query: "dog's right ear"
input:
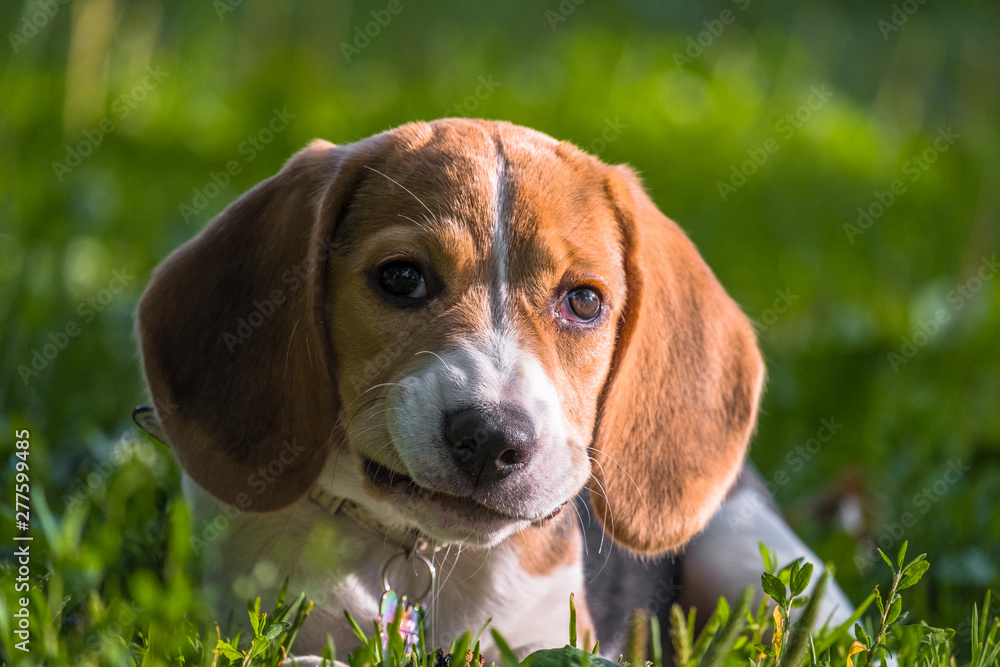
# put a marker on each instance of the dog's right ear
(234, 344)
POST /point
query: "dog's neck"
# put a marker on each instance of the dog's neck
(339, 506)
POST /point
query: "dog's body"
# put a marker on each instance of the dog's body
(450, 328)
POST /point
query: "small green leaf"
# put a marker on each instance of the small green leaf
(567, 656)
(894, 609)
(902, 555)
(887, 561)
(862, 636)
(253, 609)
(800, 580)
(914, 571)
(768, 556)
(224, 649)
(276, 629)
(258, 646)
(773, 587)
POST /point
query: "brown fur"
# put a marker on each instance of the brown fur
(545, 548)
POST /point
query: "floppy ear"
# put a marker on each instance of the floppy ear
(681, 400)
(234, 346)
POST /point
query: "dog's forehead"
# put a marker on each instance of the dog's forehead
(545, 200)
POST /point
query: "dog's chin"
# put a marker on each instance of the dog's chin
(445, 517)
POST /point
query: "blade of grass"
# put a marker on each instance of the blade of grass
(726, 637)
(507, 656)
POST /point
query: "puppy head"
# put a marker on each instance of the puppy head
(470, 313)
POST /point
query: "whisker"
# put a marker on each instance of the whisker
(406, 217)
(608, 511)
(583, 529)
(358, 411)
(347, 407)
(402, 186)
(288, 351)
(627, 473)
(446, 365)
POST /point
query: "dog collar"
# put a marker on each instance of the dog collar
(408, 540)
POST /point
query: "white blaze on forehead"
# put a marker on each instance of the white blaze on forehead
(498, 245)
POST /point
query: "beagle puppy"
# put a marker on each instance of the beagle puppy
(396, 363)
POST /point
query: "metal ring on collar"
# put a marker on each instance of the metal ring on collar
(423, 559)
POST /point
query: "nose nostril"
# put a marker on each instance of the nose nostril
(464, 452)
(510, 457)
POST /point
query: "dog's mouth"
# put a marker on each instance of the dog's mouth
(384, 477)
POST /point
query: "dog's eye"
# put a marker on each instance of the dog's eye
(581, 305)
(402, 279)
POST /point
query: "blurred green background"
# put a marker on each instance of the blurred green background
(768, 133)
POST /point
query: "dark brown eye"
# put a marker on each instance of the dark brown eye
(581, 305)
(402, 279)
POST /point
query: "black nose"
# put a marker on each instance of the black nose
(489, 444)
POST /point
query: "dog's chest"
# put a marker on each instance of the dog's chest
(340, 566)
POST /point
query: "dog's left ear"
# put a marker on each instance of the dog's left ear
(681, 399)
